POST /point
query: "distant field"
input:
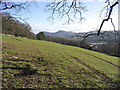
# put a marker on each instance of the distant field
(31, 63)
(97, 43)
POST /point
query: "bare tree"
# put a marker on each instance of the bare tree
(109, 11)
(8, 6)
(12, 5)
(67, 9)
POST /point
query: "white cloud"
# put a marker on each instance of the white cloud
(37, 28)
(91, 24)
(88, 25)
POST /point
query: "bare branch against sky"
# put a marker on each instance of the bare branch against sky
(109, 17)
(92, 20)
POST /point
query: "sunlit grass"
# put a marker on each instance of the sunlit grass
(41, 64)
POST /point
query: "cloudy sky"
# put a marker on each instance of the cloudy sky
(38, 18)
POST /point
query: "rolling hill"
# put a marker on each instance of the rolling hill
(61, 33)
(31, 63)
(109, 36)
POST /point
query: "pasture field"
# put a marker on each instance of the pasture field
(31, 63)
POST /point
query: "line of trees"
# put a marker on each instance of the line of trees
(108, 48)
(66, 41)
(15, 27)
(111, 49)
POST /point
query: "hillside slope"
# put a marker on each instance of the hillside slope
(31, 63)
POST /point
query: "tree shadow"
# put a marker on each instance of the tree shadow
(14, 68)
(27, 70)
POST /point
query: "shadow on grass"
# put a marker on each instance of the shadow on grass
(19, 60)
(27, 70)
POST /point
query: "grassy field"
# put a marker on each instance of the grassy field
(31, 63)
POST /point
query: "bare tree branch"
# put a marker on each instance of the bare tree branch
(23, 19)
(84, 38)
(16, 7)
(111, 8)
(11, 5)
(107, 7)
(66, 8)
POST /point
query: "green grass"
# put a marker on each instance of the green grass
(31, 63)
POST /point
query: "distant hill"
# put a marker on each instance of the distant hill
(61, 33)
(108, 37)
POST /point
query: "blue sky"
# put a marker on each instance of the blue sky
(39, 19)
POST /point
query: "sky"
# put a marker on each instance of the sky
(38, 18)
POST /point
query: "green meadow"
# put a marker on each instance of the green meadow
(28, 63)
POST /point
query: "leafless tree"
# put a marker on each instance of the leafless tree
(12, 5)
(67, 9)
(6, 6)
(109, 11)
